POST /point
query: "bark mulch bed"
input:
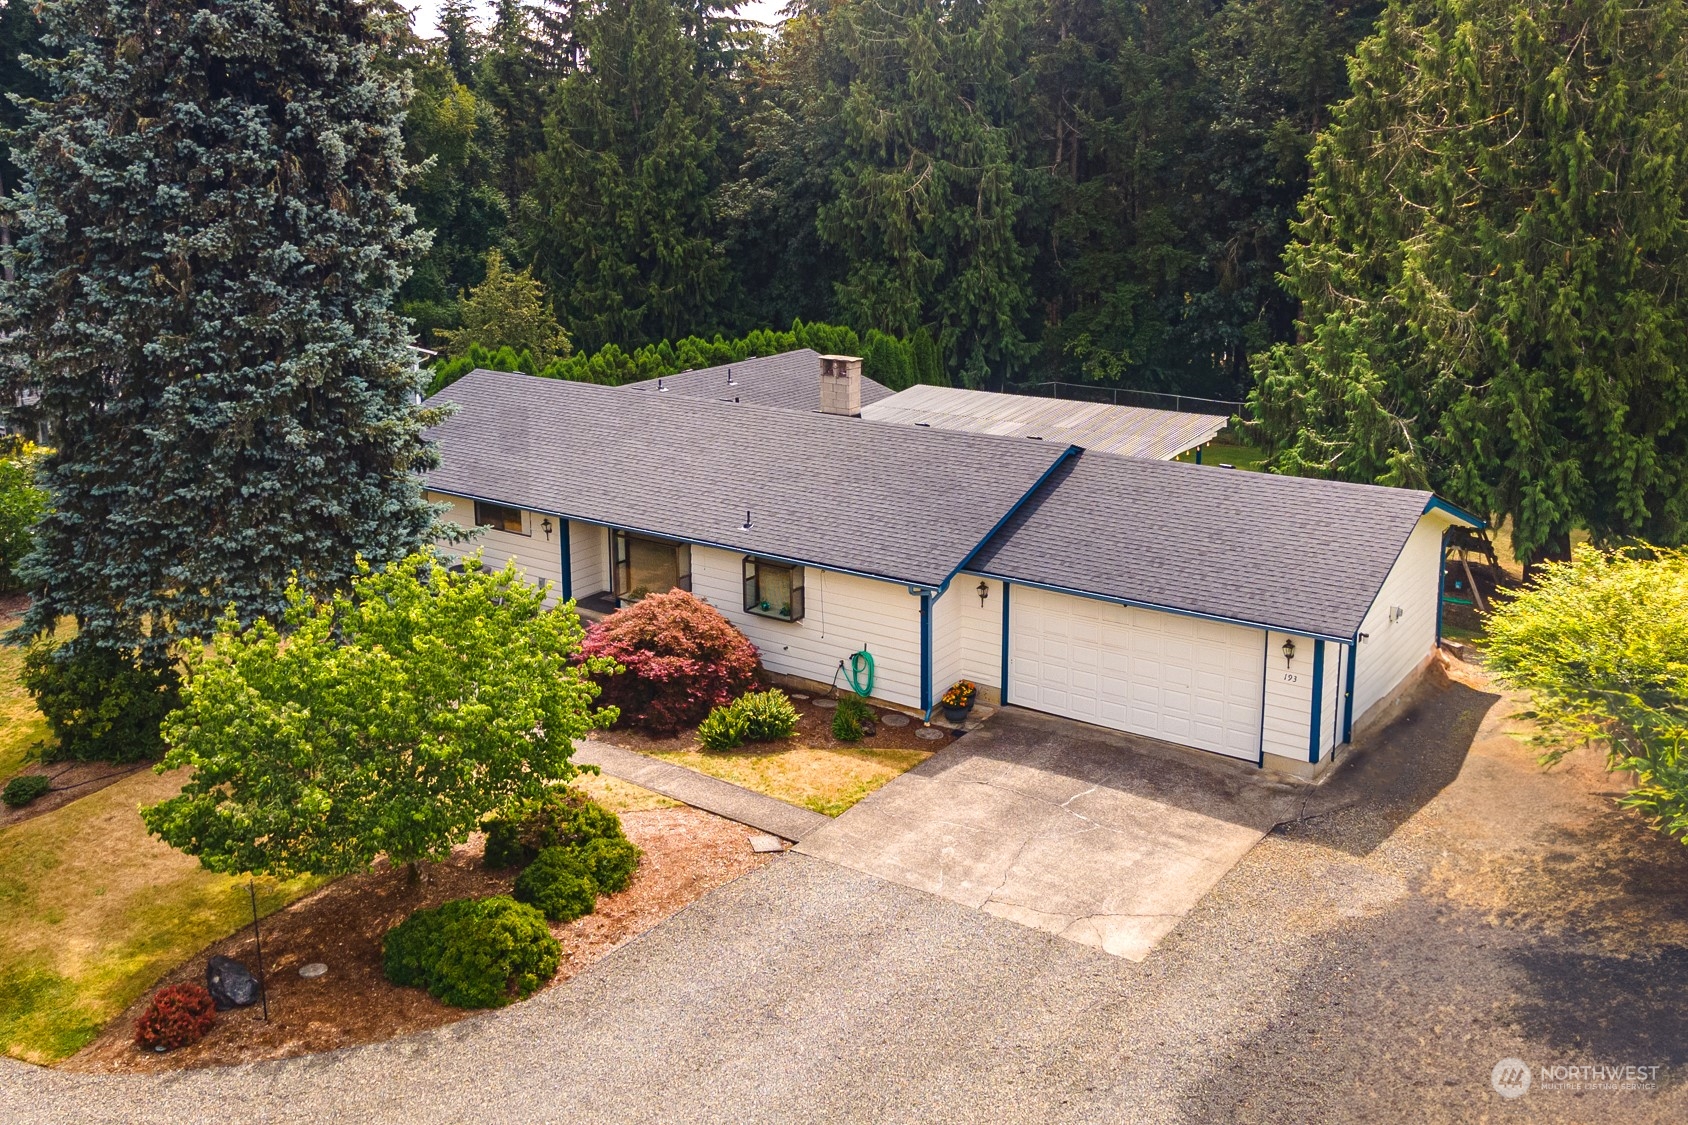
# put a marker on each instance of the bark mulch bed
(70, 780)
(688, 853)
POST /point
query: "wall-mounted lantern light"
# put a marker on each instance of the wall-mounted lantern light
(1289, 650)
(545, 526)
(984, 592)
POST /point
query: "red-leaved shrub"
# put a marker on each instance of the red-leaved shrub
(682, 659)
(179, 1016)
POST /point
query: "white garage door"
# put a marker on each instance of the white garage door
(1182, 679)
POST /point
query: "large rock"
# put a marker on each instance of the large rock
(230, 983)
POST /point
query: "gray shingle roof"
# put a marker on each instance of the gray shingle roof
(1291, 553)
(891, 501)
(791, 380)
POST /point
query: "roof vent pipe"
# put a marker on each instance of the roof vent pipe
(841, 385)
(730, 382)
(746, 526)
(659, 385)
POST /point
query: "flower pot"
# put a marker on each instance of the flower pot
(956, 714)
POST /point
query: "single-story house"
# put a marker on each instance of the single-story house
(1260, 617)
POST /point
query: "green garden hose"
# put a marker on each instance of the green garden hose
(861, 663)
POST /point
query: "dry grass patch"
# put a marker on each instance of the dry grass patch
(825, 780)
(621, 796)
(93, 911)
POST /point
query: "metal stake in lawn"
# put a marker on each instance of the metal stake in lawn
(263, 990)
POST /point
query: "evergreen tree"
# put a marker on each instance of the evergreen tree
(20, 36)
(509, 310)
(210, 239)
(1493, 262)
(930, 189)
(511, 81)
(626, 193)
(457, 39)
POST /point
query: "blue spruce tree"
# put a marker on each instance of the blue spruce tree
(208, 237)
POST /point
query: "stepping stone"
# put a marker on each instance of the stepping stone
(894, 719)
(766, 843)
(799, 697)
(313, 970)
(929, 734)
(826, 704)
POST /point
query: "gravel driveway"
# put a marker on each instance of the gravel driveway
(1433, 912)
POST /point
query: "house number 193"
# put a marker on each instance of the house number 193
(1289, 678)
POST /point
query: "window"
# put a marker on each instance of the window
(650, 566)
(773, 589)
(498, 517)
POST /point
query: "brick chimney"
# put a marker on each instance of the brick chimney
(841, 385)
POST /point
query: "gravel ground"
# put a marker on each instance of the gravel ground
(1432, 912)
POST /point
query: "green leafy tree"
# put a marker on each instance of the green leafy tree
(508, 310)
(386, 720)
(210, 238)
(1601, 643)
(22, 504)
(1492, 264)
(929, 191)
(626, 185)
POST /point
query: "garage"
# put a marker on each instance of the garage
(1182, 679)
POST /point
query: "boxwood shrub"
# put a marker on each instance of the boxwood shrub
(561, 818)
(473, 953)
(101, 704)
(611, 863)
(559, 884)
(25, 788)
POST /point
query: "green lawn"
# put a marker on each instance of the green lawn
(93, 911)
(1226, 450)
(21, 725)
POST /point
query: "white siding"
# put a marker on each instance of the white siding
(967, 636)
(842, 615)
(540, 559)
(589, 558)
(1289, 696)
(1394, 647)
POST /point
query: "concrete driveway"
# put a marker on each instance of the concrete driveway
(1101, 838)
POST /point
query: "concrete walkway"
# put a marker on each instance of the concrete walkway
(1101, 838)
(711, 794)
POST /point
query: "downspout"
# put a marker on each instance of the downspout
(1348, 705)
(926, 654)
(1441, 582)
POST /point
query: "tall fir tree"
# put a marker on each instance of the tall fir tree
(210, 240)
(457, 39)
(930, 189)
(626, 198)
(20, 37)
(1493, 265)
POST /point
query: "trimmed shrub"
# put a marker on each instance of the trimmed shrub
(611, 863)
(768, 715)
(100, 703)
(848, 720)
(680, 658)
(724, 728)
(179, 1016)
(473, 953)
(755, 716)
(559, 884)
(561, 818)
(25, 788)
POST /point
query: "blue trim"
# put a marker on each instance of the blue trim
(1338, 639)
(1066, 455)
(1004, 690)
(1348, 707)
(739, 550)
(1437, 504)
(568, 561)
(1265, 673)
(1441, 585)
(926, 653)
(1318, 709)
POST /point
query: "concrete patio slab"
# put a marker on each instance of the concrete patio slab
(1104, 839)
